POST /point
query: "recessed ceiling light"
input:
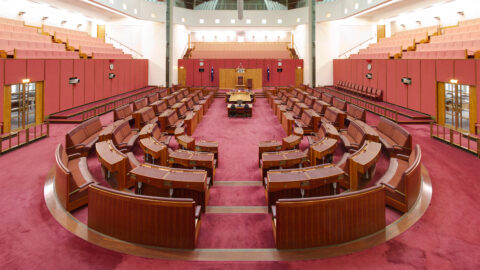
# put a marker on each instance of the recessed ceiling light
(264, 21)
(279, 21)
(232, 21)
(328, 15)
(111, 2)
(202, 20)
(356, 5)
(153, 15)
(248, 21)
(124, 6)
(346, 11)
(298, 19)
(217, 21)
(183, 19)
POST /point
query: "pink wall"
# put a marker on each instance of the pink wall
(196, 78)
(93, 74)
(421, 95)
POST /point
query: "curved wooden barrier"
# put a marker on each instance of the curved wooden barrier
(154, 221)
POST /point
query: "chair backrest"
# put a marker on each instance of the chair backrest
(240, 80)
(339, 104)
(122, 112)
(413, 176)
(249, 83)
(152, 98)
(137, 105)
(172, 118)
(331, 115)
(306, 118)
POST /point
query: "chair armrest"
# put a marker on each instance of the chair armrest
(401, 147)
(403, 157)
(198, 210)
(274, 211)
(75, 146)
(74, 155)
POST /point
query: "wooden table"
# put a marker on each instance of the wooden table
(304, 182)
(244, 96)
(321, 149)
(208, 146)
(291, 142)
(235, 110)
(186, 142)
(194, 160)
(161, 181)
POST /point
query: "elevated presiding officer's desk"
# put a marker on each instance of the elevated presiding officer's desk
(161, 181)
(304, 182)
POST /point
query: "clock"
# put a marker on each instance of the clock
(369, 66)
(111, 66)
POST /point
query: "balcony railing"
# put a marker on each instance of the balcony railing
(17, 139)
(465, 141)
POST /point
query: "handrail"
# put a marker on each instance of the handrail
(358, 45)
(456, 138)
(125, 46)
(24, 137)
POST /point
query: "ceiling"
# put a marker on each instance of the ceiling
(82, 7)
(398, 7)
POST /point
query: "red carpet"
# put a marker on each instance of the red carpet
(447, 236)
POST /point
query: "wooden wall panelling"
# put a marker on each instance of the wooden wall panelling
(66, 89)
(428, 92)
(440, 103)
(381, 71)
(477, 88)
(197, 79)
(361, 68)
(473, 109)
(401, 90)
(336, 70)
(79, 89)
(52, 86)
(354, 71)
(15, 71)
(115, 83)
(36, 70)
(99, 79)
(89, 81)
(445, 70)
(414, 90)
(390, 91)
(145, 72)
(133, 75)
(206, 73)
(465, 72)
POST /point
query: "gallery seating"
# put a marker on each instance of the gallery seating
(360, 90)
(325, 130)
(72, 179)
(310, 214)
(124, 137)
(159, 106)
(402, 180)
(144, 116)
(309, 122)
(96, 55)
(83, 137)
(169, 121)
(43, 54)
(144, 220)
(394, 138)
(334, 117)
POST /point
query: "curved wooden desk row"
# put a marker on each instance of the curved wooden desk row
(282, 159)
(287, 143)
(189, 143)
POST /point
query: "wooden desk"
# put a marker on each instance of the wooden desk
(208, 146)
(159, 106)
(161, 181)
(186, 142)
(193, 160)
(370, 133)
(363, 161)
(282, 159)
(234, 110)
(291, 142)
(268, 146)
(154, 150)
(113, 161)
(304, 182)
(321, 149)
(244, 96)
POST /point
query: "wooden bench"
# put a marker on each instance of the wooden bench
(144, 116)
(334, 117)
(139, 104)
(163, 92)
(326, 130)
(355, 112)
(339, 104)
(124, 137)
(152, 97)
(327, 98)
(320, 106)
(159, 106)
(123, 113)
(72, 179)
(309, 121)
(346, 215)
(83, 137)
(145, 220)
(402, 180)
(353, 137)
(169, 121)
(394, 138)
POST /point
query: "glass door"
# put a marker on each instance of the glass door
(457, 106)
(23, 105)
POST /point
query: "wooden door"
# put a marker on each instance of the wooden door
(101, 31)
(380, 31)
(298, 76)
(182, 76)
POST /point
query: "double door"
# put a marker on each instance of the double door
(23, 105)
(457, 111)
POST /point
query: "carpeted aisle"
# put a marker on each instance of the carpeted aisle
(446, 237)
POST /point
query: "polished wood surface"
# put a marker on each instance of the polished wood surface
(306, 223)
(282, 159)
(113, 161)
(153, 221)
(228, 78)
(106, 133)
(243, 96)
(363, 162)
(323, 150)
(193, 160)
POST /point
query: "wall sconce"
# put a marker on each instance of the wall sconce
(73, 80)
(181, 67)
(79, 25)
(44, 18)
(402, 25)
(369, 76)
(437, 18)
(26, 80)
(111, 76)
(21, 13)
(406, 80)
(461, 13)
(64, 22)
(419, 22)
(454, 81)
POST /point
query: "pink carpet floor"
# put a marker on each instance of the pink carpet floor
(447, 237)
